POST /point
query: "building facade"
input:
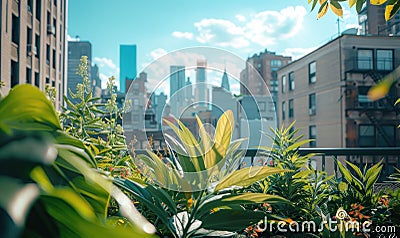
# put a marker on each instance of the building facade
(201, 90)
(177, 92)
(33, 44)
(77, 49)
(325, 92)
(260, 75)
(372, 21)
(127, 65)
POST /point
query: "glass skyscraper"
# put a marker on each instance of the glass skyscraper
(127, 65)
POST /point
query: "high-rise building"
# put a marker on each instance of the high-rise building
(202, 92)
(177, 93)
(261, 73)
(326, 93)
(188, 91)
(33, 44)
(225, 82)
(372, 21)
(77, 49)
(159, 102)
(127, 65)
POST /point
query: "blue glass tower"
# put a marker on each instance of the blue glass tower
(127, 65)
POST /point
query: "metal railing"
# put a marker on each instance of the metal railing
(360, 156)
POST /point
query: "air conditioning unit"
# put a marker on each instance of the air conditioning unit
(312, 111)
(31, 49)
(51, 29)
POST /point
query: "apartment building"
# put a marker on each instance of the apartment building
(325, 92)
(32, 44)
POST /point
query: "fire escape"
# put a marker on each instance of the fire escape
(357, 100)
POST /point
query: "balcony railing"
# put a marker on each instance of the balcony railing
(360, 156)
(368, 64)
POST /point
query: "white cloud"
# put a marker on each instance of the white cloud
(70, 38)
(264, 28)
(107, 68)
(220, 32)
(105, 62)
(297, 53)
(240, 18)
(157, 53)
(180, 34)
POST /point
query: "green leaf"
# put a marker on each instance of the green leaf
(323, 9)
(247, 176)
(222, 138)
(352, 181)
(356, 169)
(372, 175)
(143, 195)
(231, 219)
(232, 199)
(26, 108)
(359, 5)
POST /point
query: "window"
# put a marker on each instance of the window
(312, 104)
(366, 135)
(363, 100)
(55, 26)
(55, 2)
(54, 59)
(47, 80)
(15, 29)
(283, 83)
(28, 36)
(384, 60)
(37, 79)
(38, 9)
(291, 109)
(312, 131)
(37, 44)
(30, 5)
(48, 18)
(364, 59)
(48, 54)
(291, 81)
(28, 76)
(390, 136)
(14, 73)
(276, 63)
(283, 111)
(312, 69)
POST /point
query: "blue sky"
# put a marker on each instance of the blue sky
(159, 26)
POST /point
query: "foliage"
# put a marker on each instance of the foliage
(96, 124)
(305, 188)
(392, 6)
(360, 183)
(56, 172)
(184, 213)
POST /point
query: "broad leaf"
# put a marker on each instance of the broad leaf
(247, 176)
(26, 108)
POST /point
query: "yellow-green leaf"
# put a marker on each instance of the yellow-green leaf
(381, 89)
(352, 2)
(322, 10)
(247, 176)
(336, 8)
(377, 2)
(391, 9)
